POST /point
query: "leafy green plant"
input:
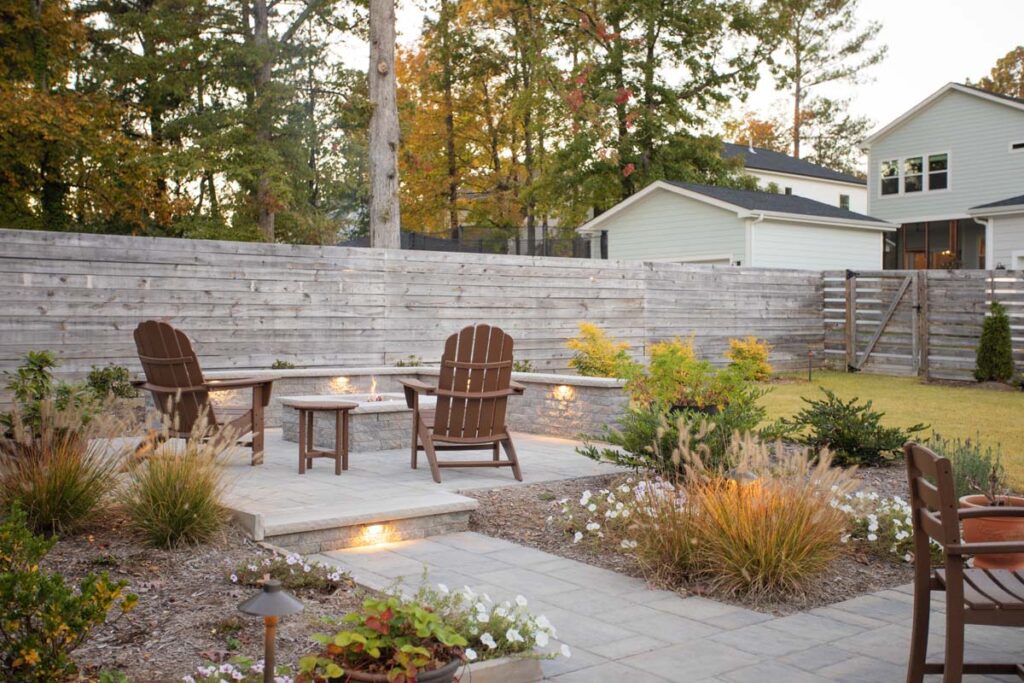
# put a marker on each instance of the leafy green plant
(852, 431)
(174, 497)
(59, 467)
(750, 358)
(32, 386)
(392, 636)
(596, 355)
(112, 380)
(994, 362)
(972, 464)
(410, 361)
(292, 571)
(522, 366)
(44, 619)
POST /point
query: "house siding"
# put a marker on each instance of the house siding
(824, 191)
(1008, 241)
(976, 133)
(665, 226)
(779, 244)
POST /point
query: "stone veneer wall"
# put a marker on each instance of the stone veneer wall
(557, 405)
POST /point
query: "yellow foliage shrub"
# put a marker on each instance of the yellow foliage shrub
(750, 354)
(597, 355)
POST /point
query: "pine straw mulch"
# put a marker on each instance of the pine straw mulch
(530, 515)
(187, 610)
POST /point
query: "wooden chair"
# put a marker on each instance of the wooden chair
(175, 380)
(472, 394)
(973, 596)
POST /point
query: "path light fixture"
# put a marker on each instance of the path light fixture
(271, 603)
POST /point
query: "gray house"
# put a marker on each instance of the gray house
(950, 173)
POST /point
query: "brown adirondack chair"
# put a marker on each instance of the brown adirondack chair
(180, 392)
(973, 596)
(472, 395)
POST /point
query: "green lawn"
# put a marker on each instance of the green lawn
(996, 417)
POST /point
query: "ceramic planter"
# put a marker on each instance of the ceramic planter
(503, 670)
(985, 529)
(446, 674)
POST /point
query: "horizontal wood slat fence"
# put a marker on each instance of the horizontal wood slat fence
(924, 323)
(247, 305)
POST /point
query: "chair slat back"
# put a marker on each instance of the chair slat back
(933, 501)
(476, 364)
(168, 360)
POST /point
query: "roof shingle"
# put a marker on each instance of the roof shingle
(767, 160)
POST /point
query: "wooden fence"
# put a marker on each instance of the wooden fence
(924, 323)
(247, 304)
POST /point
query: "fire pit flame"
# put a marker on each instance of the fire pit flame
(374, 396)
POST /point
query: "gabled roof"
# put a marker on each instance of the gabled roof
(768, 160)
(1008, 205)
(751, 204)
(1014, 102)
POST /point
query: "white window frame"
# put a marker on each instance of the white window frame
(904, 174)
(925, 181)
(848, 201)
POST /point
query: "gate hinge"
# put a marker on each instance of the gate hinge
(850, 274)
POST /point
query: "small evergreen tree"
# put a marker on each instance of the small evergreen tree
(995, 350)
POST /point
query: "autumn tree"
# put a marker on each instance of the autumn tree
(1007, 76)
(822, 42)
(765, 132)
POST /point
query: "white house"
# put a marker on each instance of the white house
(690, 223)
(800, 177)
(950, 172)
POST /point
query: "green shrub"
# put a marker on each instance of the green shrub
(972, 464)
(852, 431)
(523, 366)
(59, 467)
(44, 619)
(173, 498)
(282, 365)
(410, 361)
(995, 349)
(750, 358)
(32, 386)
(598, 356)
(113, 380)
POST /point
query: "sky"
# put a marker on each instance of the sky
(931, 42)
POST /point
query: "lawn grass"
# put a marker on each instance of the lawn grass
(994, 417)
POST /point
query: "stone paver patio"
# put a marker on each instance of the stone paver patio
(622, 631)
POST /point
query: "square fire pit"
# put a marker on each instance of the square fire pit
(380, 424)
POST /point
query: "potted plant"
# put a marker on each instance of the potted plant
(990, 529)
(389, 641)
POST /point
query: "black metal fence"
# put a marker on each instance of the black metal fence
(574, 247)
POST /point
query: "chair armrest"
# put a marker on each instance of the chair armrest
(517, 388)
(417, 386)
(158, 389)
(993, 511)
(241, 383)
(989, 548)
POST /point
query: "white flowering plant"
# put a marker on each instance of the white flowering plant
(602, 517)
(884, 524)
(294, 573)
(237, 670)
(493, 629)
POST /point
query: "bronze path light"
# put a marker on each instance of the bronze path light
(271, 603)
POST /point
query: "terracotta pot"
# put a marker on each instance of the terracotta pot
(446, 674)
(985, 529)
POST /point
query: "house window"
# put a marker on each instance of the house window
(789, 190)
(890, 177)
(844, 201)
(913, 174)
(938, 171)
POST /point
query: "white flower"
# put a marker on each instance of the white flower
(541, 638)
(543, 623)
(593, 526)
(480, 607)
(592, 507)
(443, 588)
(577, 537)
(306, 568)
(252, 567)
(872, 537)
(513, 636)
(521, 601)
(623, 489)
(293, 559)
(628, 544)
(585, 498)
(566, 652)
(470, 654)
(482, 617)
(257, 668)
(234, 579)
(488, 640)
(501, 611)
(188, 679)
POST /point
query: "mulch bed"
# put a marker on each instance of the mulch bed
(187, 611)
(530, 515)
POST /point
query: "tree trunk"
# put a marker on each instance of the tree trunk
(261, 39)
(384, 214)
(449, 118)
(798, 93)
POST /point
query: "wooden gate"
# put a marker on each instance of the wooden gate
(882, 326)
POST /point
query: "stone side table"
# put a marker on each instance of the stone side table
(306, 409)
